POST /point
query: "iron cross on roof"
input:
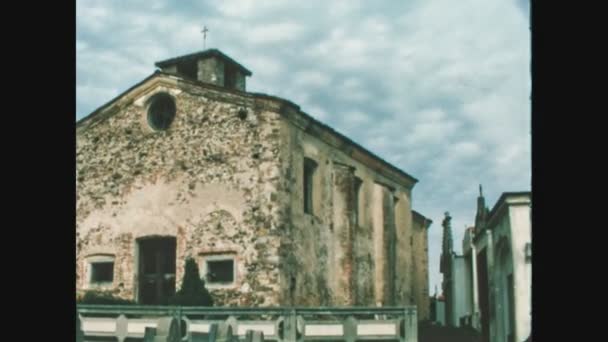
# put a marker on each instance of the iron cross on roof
(204, 32)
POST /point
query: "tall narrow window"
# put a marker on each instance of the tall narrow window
(396, 214)
(357, 205)
(310, 167)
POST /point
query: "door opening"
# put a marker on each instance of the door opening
(156, 270)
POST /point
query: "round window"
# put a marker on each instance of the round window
(161, 111)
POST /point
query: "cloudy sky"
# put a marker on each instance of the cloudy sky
(439, 88)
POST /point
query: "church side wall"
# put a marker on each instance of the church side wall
(211, 181)
(420, 278)
(346, 252)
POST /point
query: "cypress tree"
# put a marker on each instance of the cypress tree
(193, 291)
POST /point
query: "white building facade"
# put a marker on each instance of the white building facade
(499, 249)
(489, 286)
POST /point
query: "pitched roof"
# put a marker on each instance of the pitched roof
(200, 55)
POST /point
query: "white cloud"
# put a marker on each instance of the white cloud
(92, 18)
(91, 94)
(81, 46)
(274, 33)
(266, 67)
(311, 79)
(316, 112)
(245, 8)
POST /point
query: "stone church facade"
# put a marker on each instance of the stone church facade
(275, 207)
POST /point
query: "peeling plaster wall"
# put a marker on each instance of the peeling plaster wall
(328, 258)
(420, 269)
(404, 293)
(211, 180)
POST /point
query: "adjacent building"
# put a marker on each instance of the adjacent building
(456, 281)
(437, 310)
(489, 286)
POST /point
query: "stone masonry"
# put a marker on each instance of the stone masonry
(420, 274)
(226, 177)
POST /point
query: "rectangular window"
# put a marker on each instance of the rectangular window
(102, 272)
(188, 69)
(310, 166)
(219, 270)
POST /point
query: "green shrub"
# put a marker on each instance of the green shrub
(103, 298)
(193, 291)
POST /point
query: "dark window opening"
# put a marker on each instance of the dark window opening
(230, 77)
(395, 207)
(242, 114)
(220, 271)
(292, 284)
(292, 289)
(396, 221)
(161, 111)
(358, 183)
(188, 69)
(102, 272)
(310, 167)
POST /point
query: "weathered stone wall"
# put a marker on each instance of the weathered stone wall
(212, 180)
(420, 267)
(364, 265)
(405, 251)
(223, 182)
(329, 258)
